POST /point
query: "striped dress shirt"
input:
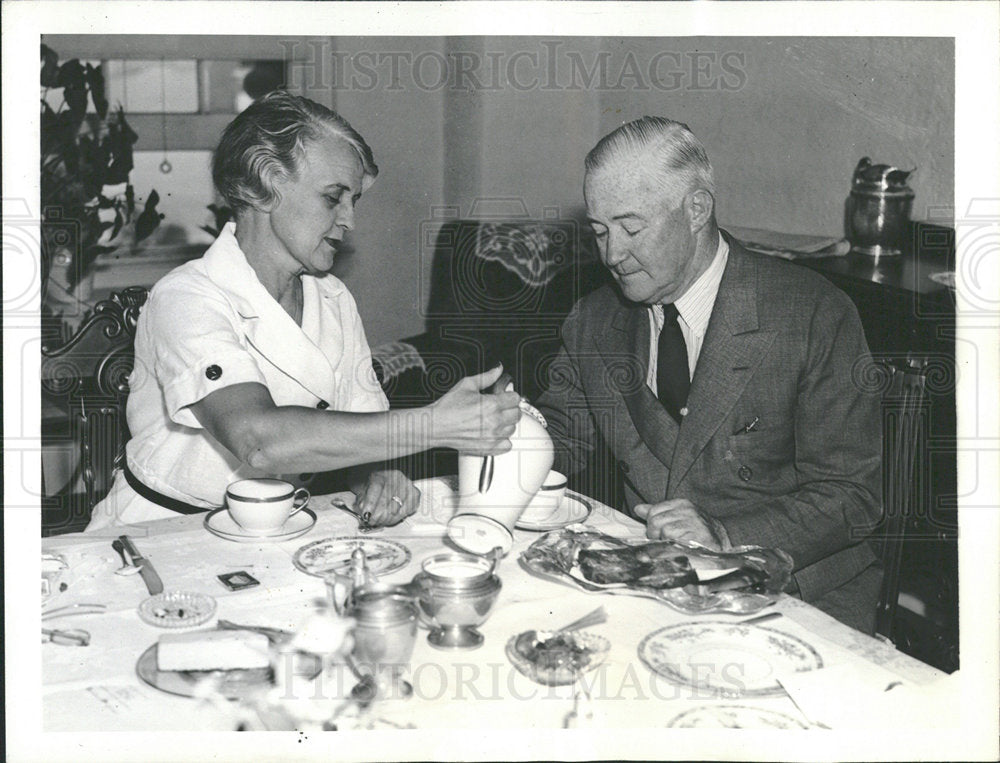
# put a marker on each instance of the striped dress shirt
(695, 308)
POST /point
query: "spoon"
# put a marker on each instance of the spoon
(363, 527)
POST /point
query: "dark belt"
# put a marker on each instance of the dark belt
(159, 498)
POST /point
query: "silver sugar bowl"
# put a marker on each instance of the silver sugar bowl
(456, 594)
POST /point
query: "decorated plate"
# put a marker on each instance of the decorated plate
(726, 659)
(232, 684)
(221, 524)
(572, 510)
(334, 555)
(735, 717)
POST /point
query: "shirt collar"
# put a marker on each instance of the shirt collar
(695, 305)
(228, 268)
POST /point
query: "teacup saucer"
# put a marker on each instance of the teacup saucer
(571, 510)
(220, 523)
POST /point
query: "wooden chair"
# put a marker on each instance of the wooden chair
(84, 389)
(905, 413)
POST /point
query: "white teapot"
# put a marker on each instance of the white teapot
(492, 496)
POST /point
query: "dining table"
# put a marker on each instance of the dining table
(97, 687)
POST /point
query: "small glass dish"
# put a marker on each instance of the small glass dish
(556, 659)
(177, 609)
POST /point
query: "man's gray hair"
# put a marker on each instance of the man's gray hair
(680, 155)
(265, 143)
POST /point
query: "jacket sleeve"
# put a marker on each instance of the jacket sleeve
(564, 406)
(838, 448)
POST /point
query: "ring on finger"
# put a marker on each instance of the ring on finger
(397, 499)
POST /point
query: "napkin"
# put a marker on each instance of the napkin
(853, 696)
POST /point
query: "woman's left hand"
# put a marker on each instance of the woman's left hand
(388, 497)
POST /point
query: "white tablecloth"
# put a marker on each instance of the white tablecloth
(96, 688)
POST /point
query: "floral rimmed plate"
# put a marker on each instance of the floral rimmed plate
(725, 659)
(735, 717)
(177, 609)
(334, 555)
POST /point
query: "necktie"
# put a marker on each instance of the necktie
(672, 378)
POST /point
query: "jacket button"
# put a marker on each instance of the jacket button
(213, 372)
(322, 405)
(624, 467)
(745, 473)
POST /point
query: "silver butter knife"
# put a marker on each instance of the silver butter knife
(146, 571)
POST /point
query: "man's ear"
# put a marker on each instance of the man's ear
(700, 206)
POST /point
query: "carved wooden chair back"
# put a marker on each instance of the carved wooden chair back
(86, 380)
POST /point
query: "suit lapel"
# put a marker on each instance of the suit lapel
(730, 354)
(624, 346)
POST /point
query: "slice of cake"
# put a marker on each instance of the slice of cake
(212, 650)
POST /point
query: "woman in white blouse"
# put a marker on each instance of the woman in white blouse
(252, 360)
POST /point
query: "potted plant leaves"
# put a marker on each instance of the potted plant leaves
(87, 199)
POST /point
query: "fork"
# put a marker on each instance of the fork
(596, 617)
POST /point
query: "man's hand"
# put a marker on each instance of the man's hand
(679, 519)
(389, 496)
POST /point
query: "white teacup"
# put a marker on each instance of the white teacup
(262, 506)
(547, 500)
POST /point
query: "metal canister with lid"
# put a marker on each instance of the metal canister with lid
(878, 214)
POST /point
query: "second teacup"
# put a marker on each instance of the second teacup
(262, 506)
(547, 500)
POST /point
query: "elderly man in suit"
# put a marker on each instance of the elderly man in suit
(721, 381)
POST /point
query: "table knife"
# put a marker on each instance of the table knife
(146, 571)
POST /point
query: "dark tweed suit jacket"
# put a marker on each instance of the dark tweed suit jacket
(783, 346)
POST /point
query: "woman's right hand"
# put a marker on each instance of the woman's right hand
(471, 422)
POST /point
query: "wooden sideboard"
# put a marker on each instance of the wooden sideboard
(908, 315)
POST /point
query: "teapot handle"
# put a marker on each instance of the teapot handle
(338, 591)
(495, 556)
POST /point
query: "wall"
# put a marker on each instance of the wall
(508, 120)
(405, 128)
(785, 120)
